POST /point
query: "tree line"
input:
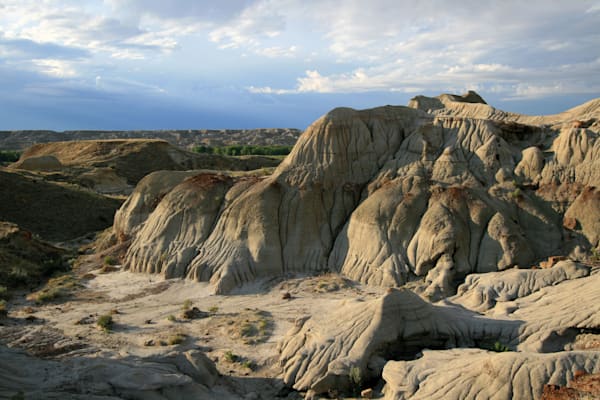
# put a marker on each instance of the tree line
(244, 150)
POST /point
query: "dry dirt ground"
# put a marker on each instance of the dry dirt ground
(239, 332)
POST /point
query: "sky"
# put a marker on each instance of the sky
(192, 64)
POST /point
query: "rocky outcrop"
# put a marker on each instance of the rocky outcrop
(390, 194)
(481, 292)
(357, 338)
(174, 376)
(472, 373)
(144, 199)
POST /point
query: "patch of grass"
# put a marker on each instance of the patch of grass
(499, 347)
(248, 364)
(330, 283)
(248, 329)
(595, 258)
(110, 260)
(178, 338)
(355, 377)
(172, 318)
(3, 310)
(231, 357)
(516, 194)
(56, 288)
(4, 294)
(187, 305)
(105, 322)
(213, 310)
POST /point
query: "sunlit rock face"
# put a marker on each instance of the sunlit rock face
(447, 187)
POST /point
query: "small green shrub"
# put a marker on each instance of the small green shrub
(231, 356)
(105, 322)
(56, 288)
(595, 258)
(248, 364)
(109, 260)
(355, 379)
(516, 194)
(213, 310)
(176, 339)
(187, 305)
(248, 329)
(499, 347)
(263, 324)
(4, 294)
(171, 318)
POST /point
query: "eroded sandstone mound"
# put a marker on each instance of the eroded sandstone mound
(471, 373)
(179, 375)
(357, 338)
(129, 159)
(389, 195)
(552, 314)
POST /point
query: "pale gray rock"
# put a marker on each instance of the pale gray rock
(145, 198)
(384, 195)
(481, 292)
(477, 374)
(318, 354)
(174, 376)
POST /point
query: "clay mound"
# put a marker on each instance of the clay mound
(54, 212)
(144, 199)
(387, 194)
(25, 260)
(39, 163)
(132, 159)
(481, 292)
(103, 180)
(357, 338)
(179, 375)
(470, 374)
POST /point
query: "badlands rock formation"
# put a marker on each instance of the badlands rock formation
(21, 140)
(386, 196)
(360, 338)
(118, 162)
(178, 375)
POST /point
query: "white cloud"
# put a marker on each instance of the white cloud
(442, 45)
(56, 68)
(277, 52)
(514, 48)
(260, 20)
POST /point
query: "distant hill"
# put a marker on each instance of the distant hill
(20, 140)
